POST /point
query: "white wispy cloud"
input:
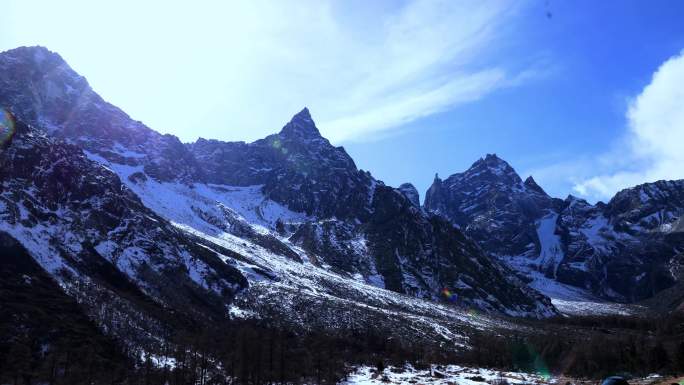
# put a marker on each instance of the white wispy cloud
(652, 149)
(239, 70)
(424, 64)
(404, 107)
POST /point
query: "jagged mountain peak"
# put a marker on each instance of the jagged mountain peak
(492, 163)
(56, 88)
(489, 170)
(572, 198)
(62, 103)
(645, 192)
(303, 114)
(484, 198)
(410, 191)
(295, 174)
(301, 126)
(648, 205)
(493, 158)
(40, 66)
(572, 241)
(531, 184)
(573, 203)
(35, 55)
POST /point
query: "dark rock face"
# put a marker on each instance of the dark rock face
(419, 254)
(493, 205)
(361, 227)
(619, 251)
(42, 90)
(650, 206)
(411, 193)
(93, 235)
(624, 259)
(297, 167)
(354, 225)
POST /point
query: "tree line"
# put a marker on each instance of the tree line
(587, 347)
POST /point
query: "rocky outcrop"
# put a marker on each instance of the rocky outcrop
(360, 227)
(297, 167)
(40, 88)
(492, 204)
(95, 237)
(411, 193)
(618, 251)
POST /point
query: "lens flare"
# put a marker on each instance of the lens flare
(451, 297)
(6, 126)
(526, 358)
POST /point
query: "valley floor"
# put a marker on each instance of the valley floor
(460, 375)
(570, 300)
(437, 375)
(596, 308)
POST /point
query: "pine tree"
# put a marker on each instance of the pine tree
(679, 358)
(659, 357)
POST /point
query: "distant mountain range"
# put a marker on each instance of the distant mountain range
(626, 250)
(148, 234)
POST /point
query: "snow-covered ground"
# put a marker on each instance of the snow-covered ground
(454, 374)
(285, 278)
(595, 307)
(197, 209)
(205, 210)
(442, 375)
(184, 203)
(569, 300)
(551, 253)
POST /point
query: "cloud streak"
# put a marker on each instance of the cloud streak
(239, 70)
(425, 64)
(653, 148)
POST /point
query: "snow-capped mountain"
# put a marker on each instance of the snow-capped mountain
(356, 225)
(621, 251)
(283, 227)
(492, 203)
(124, 263)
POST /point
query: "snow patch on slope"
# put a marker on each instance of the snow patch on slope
(287, 276)
(442, 375)
(179, 202)
(36, 239)
(551, 252)
(596, 307)
(274, 275)
(568, 299)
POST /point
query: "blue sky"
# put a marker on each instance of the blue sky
(580, 94)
